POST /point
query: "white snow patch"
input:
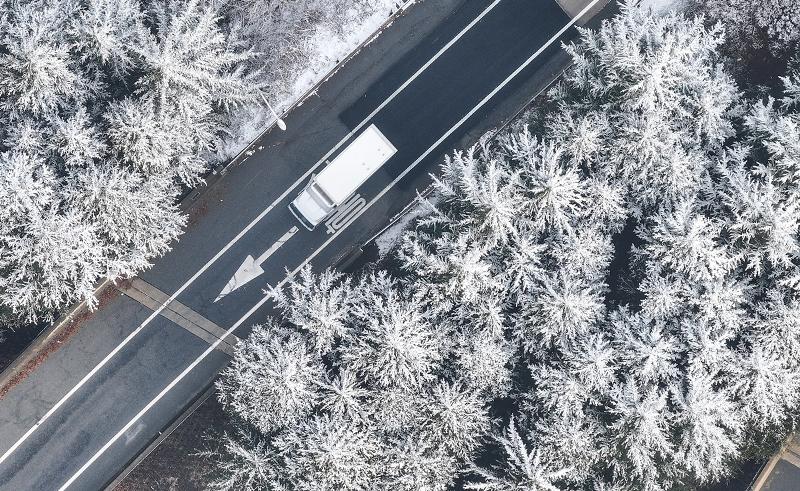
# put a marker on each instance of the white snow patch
(662, 6)
(387, 239)
(328, 48)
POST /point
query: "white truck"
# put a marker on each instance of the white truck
(340, 178)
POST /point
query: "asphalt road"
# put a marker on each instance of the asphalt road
(433, 105)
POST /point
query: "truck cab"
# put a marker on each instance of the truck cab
(312, 206)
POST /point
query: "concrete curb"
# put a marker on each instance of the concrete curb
(9, 376)
(788, 451)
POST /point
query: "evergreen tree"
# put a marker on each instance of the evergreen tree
(522, 469)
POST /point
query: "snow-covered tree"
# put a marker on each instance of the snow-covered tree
(350, 398)
(774, 22)
(135, 217)
(640, 435)
(38, 73)
(75, 141)
(163, 144)
(250, 465)
(791, 83)
(766, 385)
(396, 346)
(709, 423)
(563, 310)
(456, 418)
(522, 468)
(486, 361)
(320, 305)
(109, 32)
(645, 102)
(327, 453)
(119, 102)
(49, 260)
(189, 62)
(272, 382)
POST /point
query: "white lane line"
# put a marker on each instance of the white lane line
(261, 302)
(238, 236)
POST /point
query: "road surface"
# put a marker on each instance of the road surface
(443, 74)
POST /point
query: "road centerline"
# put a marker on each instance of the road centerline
(266, 298)
(238, 237)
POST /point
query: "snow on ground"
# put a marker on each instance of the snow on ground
(388, 238)
(328, 48)
(661, 6)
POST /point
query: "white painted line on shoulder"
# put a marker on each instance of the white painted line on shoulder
(266, 298)
(238, 236)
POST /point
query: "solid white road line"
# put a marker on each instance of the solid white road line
(238, 236)
(261, 302)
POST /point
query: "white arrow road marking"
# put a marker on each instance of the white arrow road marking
(288, 277)
(251, 268)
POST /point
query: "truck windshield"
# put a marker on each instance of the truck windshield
(320, 196)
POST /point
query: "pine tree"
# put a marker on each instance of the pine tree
(640, 435)
(108, 33)
(710, 425)
(249, 465)
(158, 144)
(75, 140)
(273, 380)
(395, 345)
(135, 217)
(377, 402)
(38, 73)
(522, 469)
(47, 258)
(326, 453)
(456, 418)
(189, 63)
(645, 103)
(319, 305)
(775, 20)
